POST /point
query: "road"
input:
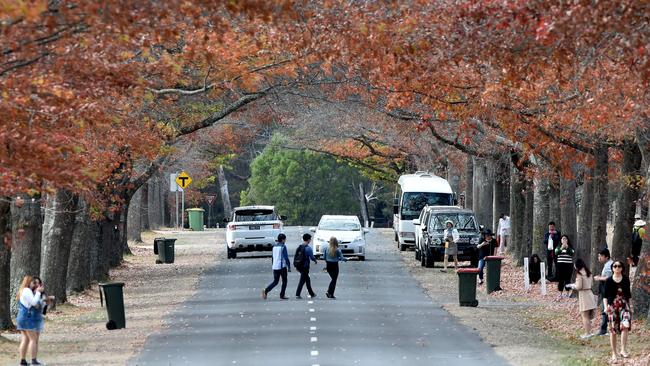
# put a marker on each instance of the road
(380, 317)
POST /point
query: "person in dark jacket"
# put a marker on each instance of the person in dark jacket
(534, 269)
(485, 249)
(303, 268)
(551, 242)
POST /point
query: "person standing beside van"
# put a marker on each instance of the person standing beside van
(281, 266)
(333, 256)
(451, 237)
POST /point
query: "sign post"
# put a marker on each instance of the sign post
(183, 180)
(526, 274)
(542, 268)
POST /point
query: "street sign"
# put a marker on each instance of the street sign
(183, 180)
(173, 186)
(210, 199)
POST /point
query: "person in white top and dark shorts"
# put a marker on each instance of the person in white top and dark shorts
(30, 320)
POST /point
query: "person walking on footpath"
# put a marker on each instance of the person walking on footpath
(451, 237)
(485, 249)
(551, 242)
(281, 266)
(603, 257)
(564, 266)
(30, 321)
(586, 301)
(503, 231)
(301, 259)
(618, 302)
(333, 256)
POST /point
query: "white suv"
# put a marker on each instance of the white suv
(253, 228)
(348, 231)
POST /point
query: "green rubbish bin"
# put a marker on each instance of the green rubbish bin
(195, 218)
(113, 292)
(493, 275)
(467, 286)
(165, 250)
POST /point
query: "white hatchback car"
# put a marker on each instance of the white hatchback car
(253, 228)
(348, 231)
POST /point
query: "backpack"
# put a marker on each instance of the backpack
(299, 257)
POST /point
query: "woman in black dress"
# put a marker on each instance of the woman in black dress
(618, 305)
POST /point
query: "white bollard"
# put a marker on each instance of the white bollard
(526, 275)
(542, 271)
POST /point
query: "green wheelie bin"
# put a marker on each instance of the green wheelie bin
(467, 286)
(164, 247)
(195, 218)
(113, 292)
(493, 275)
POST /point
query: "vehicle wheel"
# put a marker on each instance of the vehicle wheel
(417, 255)
(422, 259)
(402, 247)
(429, 260)
(475, 303)
(362, 258)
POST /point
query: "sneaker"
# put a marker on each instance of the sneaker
(298, 297)
(264, 294)
(327, 294)
(35, 362)
(23, 362)
(443, 270)
(284, 298)
(312, 296)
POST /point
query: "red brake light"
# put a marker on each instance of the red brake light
(276, 226)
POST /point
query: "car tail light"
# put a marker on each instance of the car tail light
(232, 227)
(276, 226)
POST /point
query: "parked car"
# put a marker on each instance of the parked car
(348, 231)
(253, 228)
(431, 226)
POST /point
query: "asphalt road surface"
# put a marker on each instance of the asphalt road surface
(381, 317)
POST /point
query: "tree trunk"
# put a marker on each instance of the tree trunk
(110, 245)
(58, 228)
(26, 233)
(627, 197)
(501, 194)
(83, 250)
(517, 211)
(144, 207)
(162, 199)
(124, 242)
(225, 195)
(584, 227)
(555, 212)
(568, 209)
(541, 214)
(469, 183)
(600, 205)
(483, 189)
(641, 289)
(363, 205)
(153, 204)
(134, 226)
(527, 248)
(5, 269)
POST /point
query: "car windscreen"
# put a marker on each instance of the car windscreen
(339, 225)
(462, 221)
(414, 202)
(255, 215)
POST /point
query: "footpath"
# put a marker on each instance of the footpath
(75, 333)
(524, 327)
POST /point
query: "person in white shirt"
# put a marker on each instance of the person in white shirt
(30, 318)
(451, 237)
(281, 265)
(503, 230)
